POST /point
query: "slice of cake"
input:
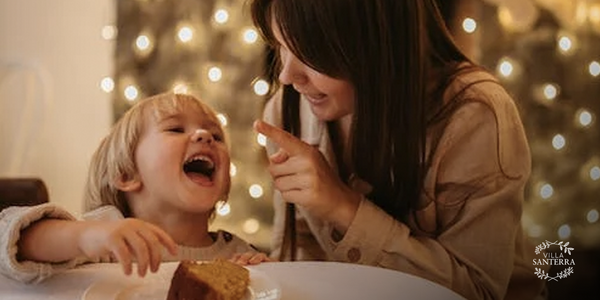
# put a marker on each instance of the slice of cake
(215, 280)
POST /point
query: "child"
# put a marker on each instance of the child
(151, 191)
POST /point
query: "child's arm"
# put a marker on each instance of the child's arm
(13, 220)
(127, 240)
(49, 240)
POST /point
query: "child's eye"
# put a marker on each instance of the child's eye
(176, 129)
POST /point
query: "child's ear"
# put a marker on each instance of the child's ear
(129, 184)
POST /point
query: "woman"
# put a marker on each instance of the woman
(403, 153)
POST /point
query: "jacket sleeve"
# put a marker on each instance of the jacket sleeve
(12, 221)
(477, 180)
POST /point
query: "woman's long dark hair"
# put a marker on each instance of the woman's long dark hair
(386, 49)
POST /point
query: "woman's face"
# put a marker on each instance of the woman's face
(329, 98)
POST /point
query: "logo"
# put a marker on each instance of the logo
(559, 258)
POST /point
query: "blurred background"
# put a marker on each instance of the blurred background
(69, 69)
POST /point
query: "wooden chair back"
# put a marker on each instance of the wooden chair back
(22, 192)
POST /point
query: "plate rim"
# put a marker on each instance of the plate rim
(109, 288)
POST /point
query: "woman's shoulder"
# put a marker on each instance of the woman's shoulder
(480, 111)
(474, 83)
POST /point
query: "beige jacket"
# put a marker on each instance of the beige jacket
(15, 219)
(467, 233)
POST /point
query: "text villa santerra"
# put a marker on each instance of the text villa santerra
(554, 259)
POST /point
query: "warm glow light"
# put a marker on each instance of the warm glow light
(251, 226)
(185, 34)
(250, 36)
(109, 32)
(594, 68)
(564, 231)
(506, 19)
(595, 173)
(581, 13)
(214, 74)
(550, 91)
(469, 25)
(223, 119)
(223, 208)
(131, 93)
(256, 191)
(594, 14)
(261, 87)
(546, 191)
(558, 142)
(232, 170)
(180, 88)
(565, 44)
(107, 84)
(584, 117)
(505, 68)
(142, 42)
(261, 139)
(221, 16)
(592, 216)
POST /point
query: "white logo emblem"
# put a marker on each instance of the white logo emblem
(554, 259)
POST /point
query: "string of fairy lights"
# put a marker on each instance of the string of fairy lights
(211, 48)
(552, 67)
(561, 202)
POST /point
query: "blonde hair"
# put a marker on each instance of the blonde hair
(114, 159)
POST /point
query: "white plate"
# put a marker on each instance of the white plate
(156, 286)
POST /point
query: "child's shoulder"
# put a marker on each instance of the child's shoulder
(230, 239)
(224, 235)
(104, 213)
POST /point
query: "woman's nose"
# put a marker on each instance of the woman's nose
(202, 136)
(292, 71)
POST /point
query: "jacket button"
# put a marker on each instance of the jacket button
(353, 255)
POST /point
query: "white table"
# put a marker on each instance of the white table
(269, 281)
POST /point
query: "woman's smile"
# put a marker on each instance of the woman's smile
(316, 99)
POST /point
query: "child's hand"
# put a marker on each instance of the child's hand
(250, 258)
(126, 240)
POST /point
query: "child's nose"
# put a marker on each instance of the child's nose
(202, 136)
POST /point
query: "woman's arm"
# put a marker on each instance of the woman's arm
(307, 246)
(465, 237)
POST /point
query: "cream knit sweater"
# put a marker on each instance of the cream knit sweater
(15, 219)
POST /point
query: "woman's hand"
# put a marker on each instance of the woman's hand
(127, 241)
(303, 176)
(250, 258)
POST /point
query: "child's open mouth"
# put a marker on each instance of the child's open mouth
(200, 169)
